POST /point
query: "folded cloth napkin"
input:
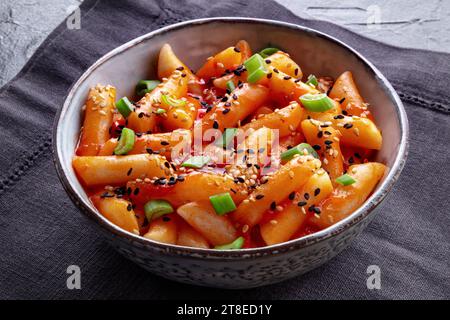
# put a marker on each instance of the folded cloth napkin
(42, 232)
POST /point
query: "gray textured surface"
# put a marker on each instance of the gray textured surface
(24, 24)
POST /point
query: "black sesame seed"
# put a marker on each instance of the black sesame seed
(342, 100)
(316, 210)
(287, 77)
(273, 205)
(180, 178)
(259, 197)
(302, 203)
(140, 115)
(268, 61)
(292, 196)
(306, 196)
(167, 164)
(339, 116)
(215, 125)
(136, 191)
(225, 111)
(276, 70)
(357, 155)
(236, 49)
(165, 143)
(166, 219)
(316, 147)
(129, 171)
(328, 142)
(316, 192)
(348, 125)
(240, 179)
(129, 207)
(269, 75)
(180, 68)
(320, 134)
(296, 71)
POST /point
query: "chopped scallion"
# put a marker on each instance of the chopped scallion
(222, 203)
(236, 244)
(196, 162)
(124, 106)
(256, 68)
(231, 86)
(289, 154)
(145, 86)
(157, 208)
(312, 80)
(345, 180)
(227, 137)
(126, 142)
(268, 52)
(316, 102)
(160, 111)
(169, 101)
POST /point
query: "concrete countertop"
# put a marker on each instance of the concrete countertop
(24, 24)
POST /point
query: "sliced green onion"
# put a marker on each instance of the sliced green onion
(256, 68)
(222, 203)
(312, 80)
(126, 142)
(145, 86)
(236, 244)
(227, 137)
(345, 180)
(256, 76)
(157, 208)
(124, 106)
(289, 154)
(231, 86)
(316, 102)
(268, 52)
(170, 101)
(160, 111)
(196, 162)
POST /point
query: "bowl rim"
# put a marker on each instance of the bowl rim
(355, 218)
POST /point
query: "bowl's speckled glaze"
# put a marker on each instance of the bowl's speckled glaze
(193, 41)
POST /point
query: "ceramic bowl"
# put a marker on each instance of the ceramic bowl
(194, 41)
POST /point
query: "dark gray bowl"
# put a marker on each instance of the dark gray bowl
(193, 41)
